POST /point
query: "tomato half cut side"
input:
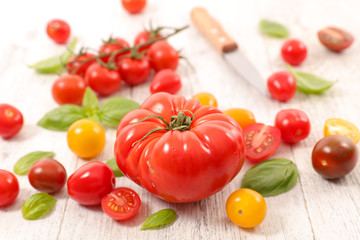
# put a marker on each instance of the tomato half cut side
(261, 141)
(121, 204)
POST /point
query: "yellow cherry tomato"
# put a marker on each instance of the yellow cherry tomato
(86, 138)
(242, 116)
(337, 126)
(246, 208)
(206, 98)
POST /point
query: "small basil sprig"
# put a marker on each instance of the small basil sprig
(159, 219)
(309, 83)
(109, 113)
(114, 167)
(23, 165)
(273, 29)
(55, 64)
(271, 177)
(37, 205)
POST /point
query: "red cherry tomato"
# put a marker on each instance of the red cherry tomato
(294, 125)
(134, 71)
(294, 52)
(9, 188)
(68, 89)
(261, 141)
(102, 80)
(133, 6)
(47, 175)
(335, 39)
(11, 121)
(80, 63)
(145, 36)
(90, 183)
(165, 80)
(334, 156)
(282, 86)
(112, 45)
(121, 204)
(58, 30)
(162, 55)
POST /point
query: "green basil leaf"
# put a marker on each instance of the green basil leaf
(90, 104)
(159, 219)
(55, 64)
(309, 83)
(23, 165)
(273, 29)
(61, 118)
(271, 177)
(37, 205)
(114, 109)
(114, 167)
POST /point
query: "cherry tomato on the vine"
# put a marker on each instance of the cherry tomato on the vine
(294, 52)
(162, 56)
(282, 85)
(294, 125)
(335, 39)
(90, 183)
(58, 30)
(47, 175)
(242, 116)
(9, 188)
(165, 80)
(121, 204)
(145, 36)
(86, 138)
(206, 98)
(134, 71)
(69, 89)
(246, 208)
(112, 45)
(11, 121)
(102, 80)
(337, 126)
(261, 141)
(334, 156)
(133, 6)
(80, 63)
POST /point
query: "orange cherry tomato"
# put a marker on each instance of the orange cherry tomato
(206, 98)
(242, 116)
(337, 126)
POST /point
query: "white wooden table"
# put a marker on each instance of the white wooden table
(314, 209)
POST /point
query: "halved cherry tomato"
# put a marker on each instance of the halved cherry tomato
(134, 71)
(121, 204)
(281, 85)
(294, 52)
(112, 45)
(261, 141)
(133, 6)
(242, 116)
(165, 80)
(11, 121)
(80, 63)
(337, 126)
(335, 39)
(206, 98)
(58, 30)
(162, 56)
(69, 89)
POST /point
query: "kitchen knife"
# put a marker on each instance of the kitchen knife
(214, 32)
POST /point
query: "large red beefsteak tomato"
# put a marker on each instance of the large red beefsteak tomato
(178, 150)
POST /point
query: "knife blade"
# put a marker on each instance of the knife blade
(215, 33)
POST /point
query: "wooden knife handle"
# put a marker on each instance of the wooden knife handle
(212, 30)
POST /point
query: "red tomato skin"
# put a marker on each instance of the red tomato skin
(79, 64)
(90, 183)
(9, 188)
(121, 207)
(133, 6)
(102, 80)
(162, 56)
(294, 52)
(144, 36)
(282, 86)
(335, 39)
(58, 30)
(116, 45)
(294, 125)
(204, 159)
(134, 71)
(264, 137)
(334, 156)
(166, 80)
(69, 89)
(47, 175)
(11, 121)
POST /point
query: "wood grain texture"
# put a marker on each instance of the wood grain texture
(314, 209)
